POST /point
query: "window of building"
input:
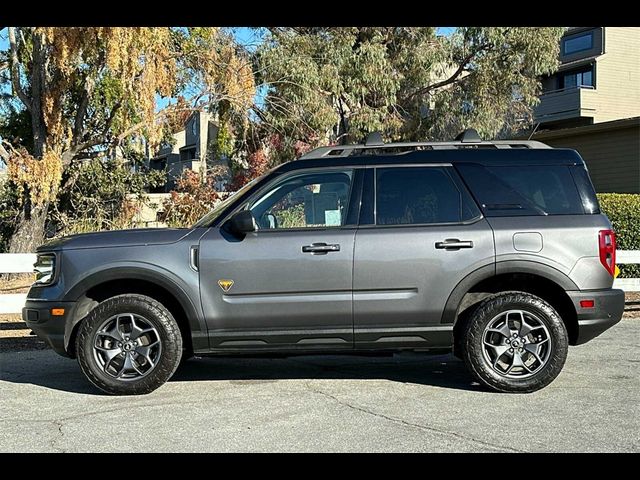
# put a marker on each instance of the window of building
(188, 154)
(578, 43)
(419, 195)
(577, 78)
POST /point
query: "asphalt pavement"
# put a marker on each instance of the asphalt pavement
(406, 402)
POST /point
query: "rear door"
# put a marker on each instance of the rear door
(421, 233)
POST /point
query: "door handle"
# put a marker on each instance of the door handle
(454, 244)
(320, 248)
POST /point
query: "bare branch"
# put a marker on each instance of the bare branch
(15, 70)
(4, 154)
(452, 79)
(82, 110)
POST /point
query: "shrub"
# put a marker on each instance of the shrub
(257, 164)
(191, 200)
(623, 211)
(96, 196)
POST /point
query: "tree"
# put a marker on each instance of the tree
(101, 195)
(90, 89)
(337, 84)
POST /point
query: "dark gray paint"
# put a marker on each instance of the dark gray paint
(402, 279)
(280, 296)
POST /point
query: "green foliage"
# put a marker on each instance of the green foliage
(337, 84)
(224, 141)
(291, 217)
(190, 201)
(97, 196)
(15, 127)
(9, 212)
(623, 211)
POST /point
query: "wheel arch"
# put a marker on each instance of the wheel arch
(100, 285)
(538, 279)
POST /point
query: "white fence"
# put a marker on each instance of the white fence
(23, 263)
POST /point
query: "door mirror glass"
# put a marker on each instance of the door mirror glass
(242, 222)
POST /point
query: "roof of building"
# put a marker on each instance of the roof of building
(585, 129)
(577, 63)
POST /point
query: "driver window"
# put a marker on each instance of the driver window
(305, 201)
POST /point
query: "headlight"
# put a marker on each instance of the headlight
(45, 268)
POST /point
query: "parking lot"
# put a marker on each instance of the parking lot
(408, 402)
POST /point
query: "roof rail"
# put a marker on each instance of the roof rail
(469, 139)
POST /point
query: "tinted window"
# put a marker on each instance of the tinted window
(578, 44)
(317, 199)
(577, 78)
(523, 189)
(585, 189)
(419, 195)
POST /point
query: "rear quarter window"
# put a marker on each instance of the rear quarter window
(523, 189)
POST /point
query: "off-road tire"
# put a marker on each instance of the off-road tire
(487, 310)
(155, 313)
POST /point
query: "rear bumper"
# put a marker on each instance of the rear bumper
(606, 312)
(37, 315)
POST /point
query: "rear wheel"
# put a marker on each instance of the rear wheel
(129, 344)
(515, 342)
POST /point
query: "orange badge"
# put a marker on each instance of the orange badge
(225, 285)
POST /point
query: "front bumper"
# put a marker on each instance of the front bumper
(606, 312)
(52, 329)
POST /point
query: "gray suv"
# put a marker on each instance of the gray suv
(495, 250)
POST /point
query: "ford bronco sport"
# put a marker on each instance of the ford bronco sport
(496, 250)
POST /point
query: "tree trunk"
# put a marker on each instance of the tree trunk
(30, 230)
(37, 87)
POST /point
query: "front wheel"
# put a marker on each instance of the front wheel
(129, 344)
(515, 342)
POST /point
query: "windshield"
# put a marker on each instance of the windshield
(220, 207)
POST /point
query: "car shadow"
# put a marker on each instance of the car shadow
(445, 371)
(46, 369)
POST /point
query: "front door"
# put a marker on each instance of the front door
(289, 284)
(425, 235)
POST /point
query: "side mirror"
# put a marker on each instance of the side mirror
(242, 222)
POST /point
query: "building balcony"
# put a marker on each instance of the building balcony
(569, 105)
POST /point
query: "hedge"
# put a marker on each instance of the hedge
(623, 211)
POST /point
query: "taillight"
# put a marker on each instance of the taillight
(607, 248)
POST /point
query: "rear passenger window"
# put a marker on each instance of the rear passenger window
(420, 195)
(523, 190)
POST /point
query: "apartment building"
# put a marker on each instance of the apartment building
(592, 104)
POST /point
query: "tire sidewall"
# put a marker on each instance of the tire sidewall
(153, 312)
(494, 306)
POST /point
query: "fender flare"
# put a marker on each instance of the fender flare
(154, 276)
(500, 268)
